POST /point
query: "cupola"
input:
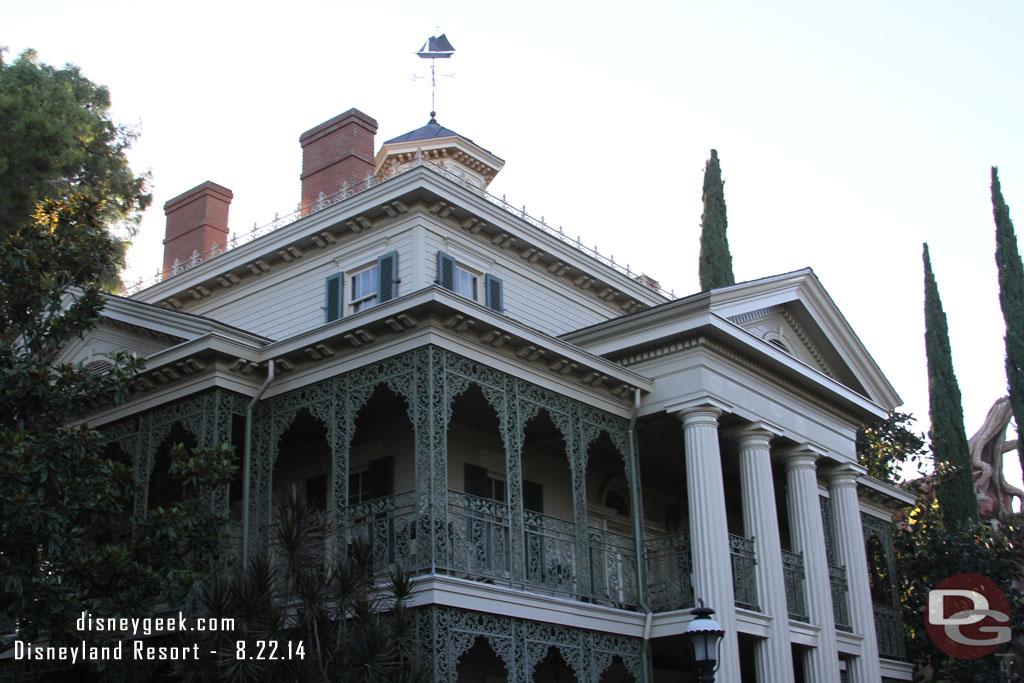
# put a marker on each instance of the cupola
(447, 149)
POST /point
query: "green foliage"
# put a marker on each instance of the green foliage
(954, 477)
(715, 259)
(352, 628)
(59, 492)
(888, 445)
(928, 552)
(57, 139)
(1011, 300)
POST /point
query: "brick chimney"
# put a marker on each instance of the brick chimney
(336, 152)
(196, 221)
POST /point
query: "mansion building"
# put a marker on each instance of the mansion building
(563, 456)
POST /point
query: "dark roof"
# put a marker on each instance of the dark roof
(432, 130)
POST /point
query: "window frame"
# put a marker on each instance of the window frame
(472, 276)
(357, 304)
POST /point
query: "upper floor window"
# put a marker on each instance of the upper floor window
(457, 278)
(365, 287)
(465, 283)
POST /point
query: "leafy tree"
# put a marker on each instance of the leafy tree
(888, 445)
(1011, 299)
(954, 476)
(927, 552)
(56, 138)
(58, 490)
(715, 259)
(352, 628)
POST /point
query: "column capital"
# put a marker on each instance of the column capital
(753, 433)
(801, 456)
(705, 409)
(844, 475)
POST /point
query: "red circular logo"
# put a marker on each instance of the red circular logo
(968, 616)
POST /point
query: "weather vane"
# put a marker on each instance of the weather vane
(436, 47)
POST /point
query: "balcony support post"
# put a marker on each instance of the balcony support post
(773, 656)
(709, 532)
(850, 543)
(808, 534)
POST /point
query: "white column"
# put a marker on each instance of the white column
(808, 536)
(773, 656)
(850, 543)
(709, 533)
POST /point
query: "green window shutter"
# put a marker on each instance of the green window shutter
(475, 480)
(388, 270)
(533, 496)
(445, 271)
(382, 477)
(493, 293)
(332, 297)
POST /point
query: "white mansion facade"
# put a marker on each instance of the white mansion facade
(565, 457)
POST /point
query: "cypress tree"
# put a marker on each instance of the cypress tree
(1011, 299)
(954, 483)
(715, 259)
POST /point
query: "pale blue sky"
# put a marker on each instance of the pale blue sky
(849, 133)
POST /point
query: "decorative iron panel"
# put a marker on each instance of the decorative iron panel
(550, 546)
(840, 598)
(613, 568)
(669, 572)
(889, 627)
(793, 573)
(744, 580)
(444, 635)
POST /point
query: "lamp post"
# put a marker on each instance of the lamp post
(705, 635)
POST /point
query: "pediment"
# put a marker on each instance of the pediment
(111, 336)
(794, 313)
(779, 326)
(787, 323)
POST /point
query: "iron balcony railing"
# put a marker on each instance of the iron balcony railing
(613, 569)
(744, 580)
(478, 537)
(840, 601)
(889, 630)
(551, 560)
(669, 572)
(388, 526)
(793, 574)
(478, 545)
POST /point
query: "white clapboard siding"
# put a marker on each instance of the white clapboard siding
(289, 300)
(531, 295)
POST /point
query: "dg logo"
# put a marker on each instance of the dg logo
(968, 616)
